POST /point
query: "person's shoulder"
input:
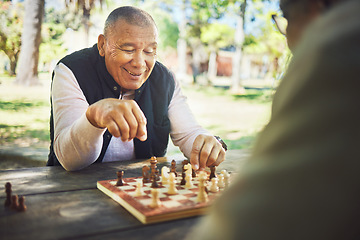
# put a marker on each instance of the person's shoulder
(162, 70)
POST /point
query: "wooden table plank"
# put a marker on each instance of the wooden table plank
(171, 230)
(55, 179)
(65, 214)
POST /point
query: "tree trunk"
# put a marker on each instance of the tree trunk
(237, 87)
(181, 44)
(27, 72)
(212, 70)
(86, 23)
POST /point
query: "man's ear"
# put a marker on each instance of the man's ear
(101, 45)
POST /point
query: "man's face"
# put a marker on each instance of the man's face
(130, 53)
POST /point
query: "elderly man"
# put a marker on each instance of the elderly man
(302, 180)
(114, 101)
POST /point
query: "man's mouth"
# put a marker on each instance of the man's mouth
(133, 74)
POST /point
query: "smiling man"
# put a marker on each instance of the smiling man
(114, 101)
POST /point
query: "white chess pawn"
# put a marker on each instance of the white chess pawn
(202, 195)
(172, 182)
(214, 185)
(221, 183)
(139, 189)
(165, 175)
(189, 183)
(155, 198)
(226, 177)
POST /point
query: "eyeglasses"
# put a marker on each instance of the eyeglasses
(280, 22)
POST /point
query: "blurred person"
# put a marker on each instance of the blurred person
(302, 180)
(114, 101)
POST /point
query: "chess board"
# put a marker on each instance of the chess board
(181, 205)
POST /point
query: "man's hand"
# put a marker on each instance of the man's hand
(123, 118)
(206, 151)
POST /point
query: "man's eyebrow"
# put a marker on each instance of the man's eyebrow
(154, 44)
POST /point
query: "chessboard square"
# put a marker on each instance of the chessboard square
(171, 204)
(190, 195)
(178, 197)
(113, 182)
(127, 187)
(145, 201)
(187, 202)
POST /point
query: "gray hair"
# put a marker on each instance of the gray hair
(132, 15)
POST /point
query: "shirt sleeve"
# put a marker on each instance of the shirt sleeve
(77, 143)
(184, 127)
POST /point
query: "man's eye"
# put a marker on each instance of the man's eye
(150, 52)
(127, 50)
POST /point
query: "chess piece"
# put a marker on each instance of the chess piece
(172, 182)
(189, 183)
(139, 189)
(165, 175)
(153, 162)
(183, 180)
(226, 177)
(202, 195)
(188, 169)
(8, 194)
(184, 164)
(154, 182)
(213, 186)
(22, 207)
(155, 198)
(145, 174)
(157, 177)
(212, 173)
(193, 173)
(120, 175)
(221, 183)
(173, 167)
(14, 202)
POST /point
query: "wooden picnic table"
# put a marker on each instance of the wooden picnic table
(67, 205)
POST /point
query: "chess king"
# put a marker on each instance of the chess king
(115, 101)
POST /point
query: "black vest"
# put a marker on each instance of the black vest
(153, 97)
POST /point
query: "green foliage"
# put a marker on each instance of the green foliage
(10, 31)
(205, 10)
(217, 35)
(54, 26)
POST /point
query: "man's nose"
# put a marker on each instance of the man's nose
(138, 59)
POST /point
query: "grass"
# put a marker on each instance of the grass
(25, 111)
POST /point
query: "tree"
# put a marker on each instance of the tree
(10, 32)
(27, 72)
(85, 6)
(236, 86)
(216, 36)
(202, 14)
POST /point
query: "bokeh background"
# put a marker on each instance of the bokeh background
(228, 56)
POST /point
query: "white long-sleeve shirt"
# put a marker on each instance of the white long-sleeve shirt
(77, 143)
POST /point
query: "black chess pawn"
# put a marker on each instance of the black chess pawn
(173, 167)
(14, 202)
(212, 173)
(120, 175)
(154, 182)
(22, 207)
(183, 180)
(8, 194)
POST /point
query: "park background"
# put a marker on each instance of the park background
(227, 55)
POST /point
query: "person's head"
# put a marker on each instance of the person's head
(299, 13)
(129, 46)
